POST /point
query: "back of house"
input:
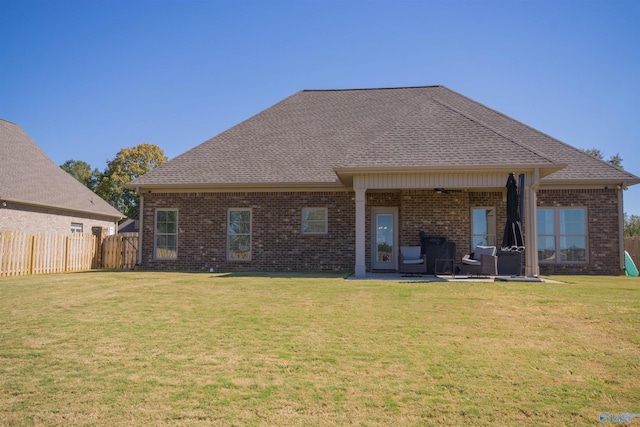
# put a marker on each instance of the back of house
(339, 180)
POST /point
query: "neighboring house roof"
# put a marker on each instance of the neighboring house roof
(28, 176)
(130, 225)
(310, 136)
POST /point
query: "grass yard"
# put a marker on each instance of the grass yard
(140, 348)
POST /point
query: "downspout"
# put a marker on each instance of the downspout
(620, 189)
(140, 228)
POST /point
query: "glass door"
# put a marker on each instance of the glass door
(384, 238)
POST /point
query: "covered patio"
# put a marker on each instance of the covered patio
(440, 181)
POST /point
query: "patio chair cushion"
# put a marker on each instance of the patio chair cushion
(476, 257)
(484, 250)
(411, 255)
(468, 259)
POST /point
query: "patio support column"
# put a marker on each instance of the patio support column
(361, 267)
(531, 268)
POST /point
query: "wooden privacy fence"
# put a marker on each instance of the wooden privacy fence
(632, 245)
(24, 253)
(120, 251)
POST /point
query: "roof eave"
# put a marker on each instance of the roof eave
(58, 208)
(240, 186)
(589, 183)
(346, 174)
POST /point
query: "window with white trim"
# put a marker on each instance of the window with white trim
(76, 228)
(166, 234)
(314, 220)
(239, 234)
(562, 235)
(483, 227)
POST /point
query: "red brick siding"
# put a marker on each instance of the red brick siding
(277, 241)
(438, 214)
(278, 244)
(602, 229)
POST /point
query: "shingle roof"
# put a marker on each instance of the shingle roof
(28, 176)
(307, 136)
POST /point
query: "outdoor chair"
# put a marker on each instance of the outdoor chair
(483, 262)
(411, 261)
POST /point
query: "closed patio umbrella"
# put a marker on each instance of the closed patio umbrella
(512, 239)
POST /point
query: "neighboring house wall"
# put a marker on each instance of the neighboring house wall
(603, 221)
(279, 245)
(41, 220)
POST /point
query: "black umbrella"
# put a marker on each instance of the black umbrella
(512, 239)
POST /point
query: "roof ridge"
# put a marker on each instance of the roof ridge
(491, 128)
(371, 88)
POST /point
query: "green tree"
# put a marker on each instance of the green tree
(128, 164)
(614, 160)
(82, 172)
(631, 225)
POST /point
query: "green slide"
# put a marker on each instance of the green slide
(630, 266)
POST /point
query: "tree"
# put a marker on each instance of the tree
(631, 225)
(82, 172)
(614, 160)
(128, 164)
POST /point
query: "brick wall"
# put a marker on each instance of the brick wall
(277, 242)
(602, 229)
(446, 215)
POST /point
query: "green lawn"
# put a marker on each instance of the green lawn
(139, 348)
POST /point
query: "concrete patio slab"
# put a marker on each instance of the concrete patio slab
(445, 278)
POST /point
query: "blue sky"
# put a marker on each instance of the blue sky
(86, 78)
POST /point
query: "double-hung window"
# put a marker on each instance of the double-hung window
(562, 235)
(239, 234)
(76, 228)
(314, 220)
(483, 227)
(166, 234)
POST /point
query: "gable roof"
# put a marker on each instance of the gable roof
(310, 136)
(28, 176)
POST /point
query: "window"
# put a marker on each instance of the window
(483, 227)
(239, 234)
(166, 236)
(562, 235)
(314, 220)
(76, 228)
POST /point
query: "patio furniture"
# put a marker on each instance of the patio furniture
(436, 248)
(509, 263)
(445, 266)
(483, 262)
(411, 261)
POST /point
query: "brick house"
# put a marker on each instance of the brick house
(37, 196)
(326, 178)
